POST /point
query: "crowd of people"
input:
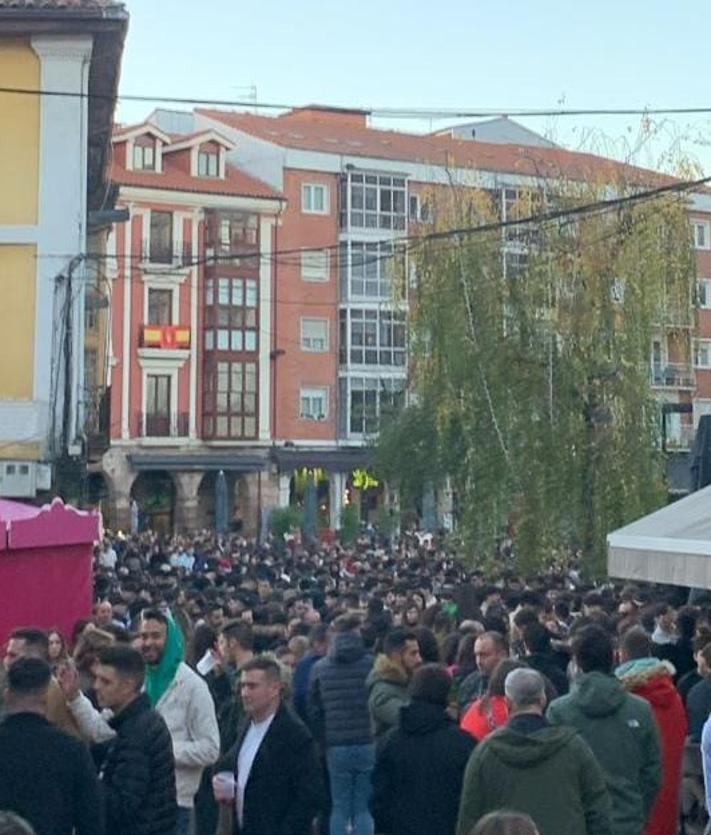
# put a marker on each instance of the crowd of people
(223, 687)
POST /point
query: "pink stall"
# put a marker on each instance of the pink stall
(45, 565)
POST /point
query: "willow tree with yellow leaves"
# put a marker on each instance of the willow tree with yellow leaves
(530, 354)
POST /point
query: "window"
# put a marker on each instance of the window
(377, 337)
(700, 234)
(314, 265)
(314, 335)
(160, 307)
(91, 318)
(161, 242)
(231, 314)
(372, 399)
(157, 417)
(208, 164)
(419, 210)
(314, 199)
(233, 232)
(366, 270)
(373, 201)
(704, 292)
(314, 403)
(703, 353)
(91, 368)
(144, 154)
(230, 400)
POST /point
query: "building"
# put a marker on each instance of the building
(53, 155)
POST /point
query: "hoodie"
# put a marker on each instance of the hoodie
(621, 731)
(547, 772)
(653, 680)
(337, 703)
(388, 692)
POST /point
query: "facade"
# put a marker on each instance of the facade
(53, 152)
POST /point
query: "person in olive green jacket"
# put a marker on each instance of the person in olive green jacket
(619, 728)
(529, 766)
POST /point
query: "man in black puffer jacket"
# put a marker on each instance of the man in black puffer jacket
(338, 713)
(137, 768)
(418, 775)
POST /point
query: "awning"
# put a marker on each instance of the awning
(195, 462)
(335, 459)
(671, 545)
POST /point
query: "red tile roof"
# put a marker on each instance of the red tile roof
(337, 136)
(235, 184)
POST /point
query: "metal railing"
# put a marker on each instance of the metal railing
(672, 375)
(152, 425)
(166, 256)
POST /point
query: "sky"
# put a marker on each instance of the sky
(495, 55)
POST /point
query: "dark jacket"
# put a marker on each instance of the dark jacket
(418, 773)
(300, 683)
(387, 693)
(548, 773)
(621, 731)
(547, 665)
(698, 708)
(473, 687)
(47, 777)
(284, 792)
(138, 773)
(338, 696)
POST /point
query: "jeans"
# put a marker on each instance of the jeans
(182, 827)
(349, 770)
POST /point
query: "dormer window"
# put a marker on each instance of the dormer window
(144, 154)
(208, 164)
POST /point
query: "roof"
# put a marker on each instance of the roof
(71, 6)
(235, 184)
(328, 133)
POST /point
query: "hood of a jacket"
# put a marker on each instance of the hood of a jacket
(650, 678)
(346, 648)
(386, 670)
(597, 694)
(418, 718)
(525, 750)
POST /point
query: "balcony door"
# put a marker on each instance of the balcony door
(158, 417)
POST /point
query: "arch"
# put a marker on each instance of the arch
(154, 493)
(206, 500)
(297, 490)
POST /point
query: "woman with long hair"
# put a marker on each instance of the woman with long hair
(58, 650)
(490, 711)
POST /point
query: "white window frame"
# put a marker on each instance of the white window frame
(208, 155)
(303, 337)
(307, 200)
(704, 295)
(311, 393)
(143, 149)
(706, 226)
(706, 345)
(310, 270)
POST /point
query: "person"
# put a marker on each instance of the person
(137, 766)
(619, 728)
(489, 648)
(180, 696)
(491, 711)
(505, 823)
(46, 775)
(318, 646)
(11, 824)
(652, 679)
(389, 679)
(418, 774)
(338, 712)
(31, 642)
(698, 699)
(539, 656)
(57, 652)
(529, 766)
(277, 774)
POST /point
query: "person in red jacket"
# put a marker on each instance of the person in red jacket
(491, 710)
(653, 680)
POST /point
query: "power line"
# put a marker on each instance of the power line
(381, 112)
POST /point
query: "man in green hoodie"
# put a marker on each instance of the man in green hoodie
(528, 766)
(619, 728)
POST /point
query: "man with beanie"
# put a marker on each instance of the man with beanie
(418, 773)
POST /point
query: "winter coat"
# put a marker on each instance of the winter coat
(473, 687)
(484, 716)
(138, 773)
(547, 772)
(547, 665)
(653, 681)
(387, 693)
(284, 792)
(698, 708)
(338, 697)
(189, 713)
(48, 778)
(418, 773)
(300, 683)
(621, 731)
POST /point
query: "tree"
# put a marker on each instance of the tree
(530, 352)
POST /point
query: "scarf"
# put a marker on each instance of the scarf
(160, 676)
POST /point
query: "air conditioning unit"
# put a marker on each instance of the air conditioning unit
(18, 479)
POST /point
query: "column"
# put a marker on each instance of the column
(284, 489)
(186, 500)
(337, 485)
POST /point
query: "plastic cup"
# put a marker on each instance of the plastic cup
(223, 786)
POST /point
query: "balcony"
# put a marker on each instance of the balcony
(168, 337)
(152, 425)
(672, 375)
(166, 257)
(680, 437)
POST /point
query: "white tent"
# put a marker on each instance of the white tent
(671, 545)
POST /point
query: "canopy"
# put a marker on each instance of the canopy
(671, 545)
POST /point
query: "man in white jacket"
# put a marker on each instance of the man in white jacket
(180, 696)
